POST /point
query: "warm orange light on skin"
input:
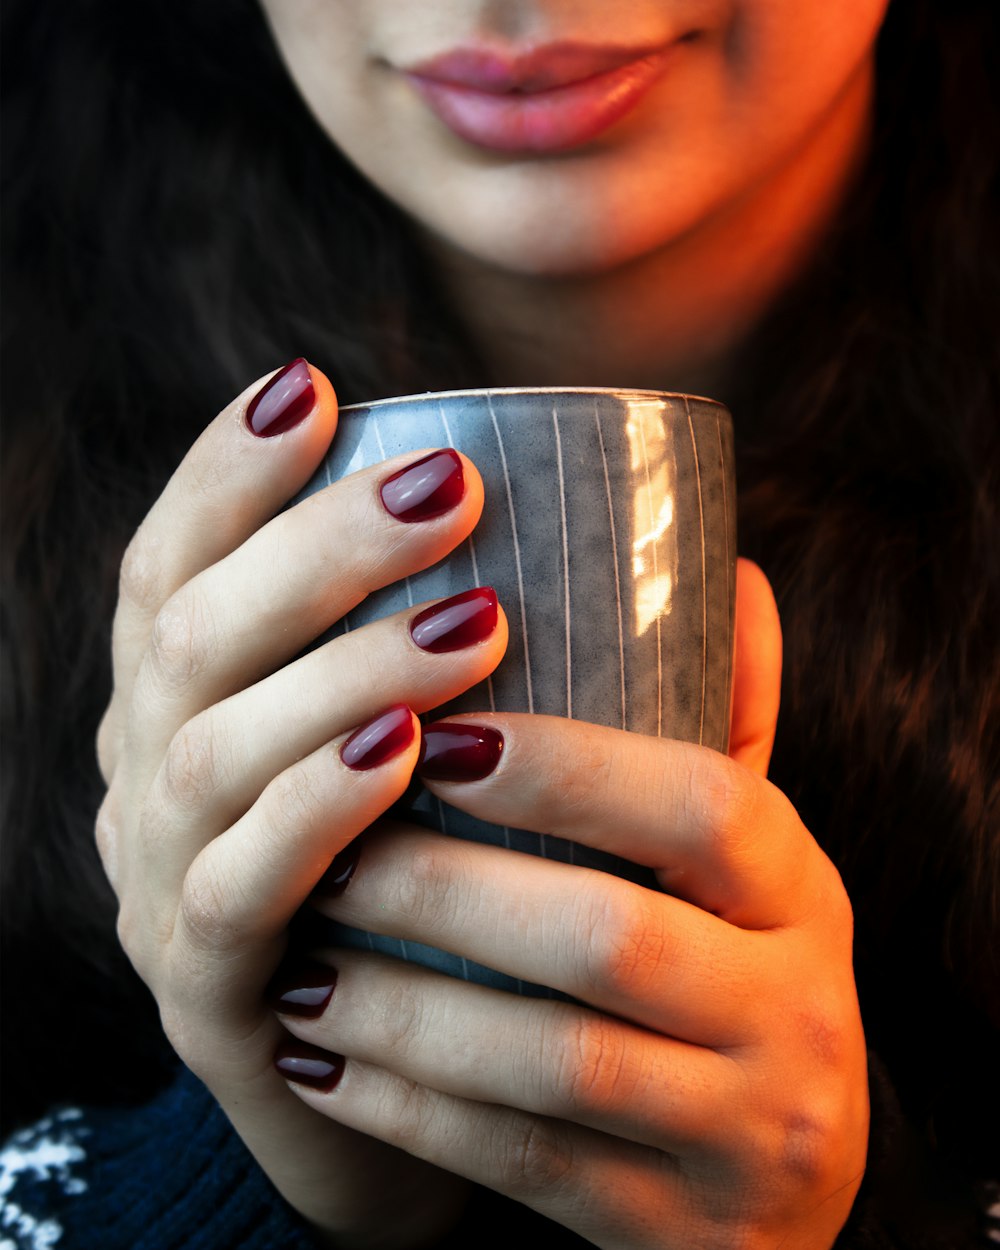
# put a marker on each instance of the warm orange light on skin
(638, 258)
(668, 318)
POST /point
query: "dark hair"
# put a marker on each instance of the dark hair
(178, 224)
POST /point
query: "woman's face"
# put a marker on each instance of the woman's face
(568, 136)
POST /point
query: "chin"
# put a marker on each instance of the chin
(577, 250)
(575, 219)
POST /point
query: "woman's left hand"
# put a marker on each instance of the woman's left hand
(708, 1087)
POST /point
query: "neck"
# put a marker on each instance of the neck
(674, 318)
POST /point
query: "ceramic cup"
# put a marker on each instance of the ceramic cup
(609, 534)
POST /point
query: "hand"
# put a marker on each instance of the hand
(708, 1086)
(228, 796)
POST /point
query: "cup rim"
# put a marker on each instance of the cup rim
(620, 391)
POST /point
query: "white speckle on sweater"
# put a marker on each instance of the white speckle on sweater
(46, 1151)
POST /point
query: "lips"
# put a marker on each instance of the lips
(551, 99)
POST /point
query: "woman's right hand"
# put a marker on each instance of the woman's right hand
(227, 793)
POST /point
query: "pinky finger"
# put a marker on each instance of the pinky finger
(611, 1192)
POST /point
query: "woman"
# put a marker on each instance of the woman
(717, 210)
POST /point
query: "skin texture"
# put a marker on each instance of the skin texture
(711, 1087)
(708, 1087)
(647, 254)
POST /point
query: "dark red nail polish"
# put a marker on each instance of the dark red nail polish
(283, 402)
(456, 622)
(302, 990)
(378, 741)
(308, 1065)
(338, 876)
(452, 751)
(426, 489)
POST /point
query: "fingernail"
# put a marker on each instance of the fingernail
(456, 622)
(283, 402)
(338, 876)
(380, 740)
(426, 489)
(308, 1065)
(302, 990)
(452, 751)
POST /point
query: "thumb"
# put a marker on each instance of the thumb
(756, 669)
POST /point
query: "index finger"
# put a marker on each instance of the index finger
(716, 834)
(260, 450)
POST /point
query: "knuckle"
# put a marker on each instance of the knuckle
(293, 802)
(728, 808)
(107, 746)
(397, 1020)
(106, 833)
(628, 947)
(128, 930)
(729, 799)
(590, 1071)
(534, 1157)
(426, 896)
(407, 1106)
(825, 1033)
(141, 577)
(189, 775)
(804, 1148)
(207, 913)
(178, 644)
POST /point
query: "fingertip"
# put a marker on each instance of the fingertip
(326, 403)
(501, 634)
(475, 492)
(297, 399)
(756, 669)
(755, 595)
(393, 732)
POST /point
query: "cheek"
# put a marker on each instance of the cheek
(793, 57)
(324, 46)
(531, 222)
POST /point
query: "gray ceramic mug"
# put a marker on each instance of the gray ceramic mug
(609, 534)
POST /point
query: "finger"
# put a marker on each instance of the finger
(609, 1191)
(628, 951)
(716, 834)
(229, 483)
(217, 764)
(756, 670)
(243, 889)
(553, 1059)
(301, 572)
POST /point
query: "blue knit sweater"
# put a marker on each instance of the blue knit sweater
(173, 1175)
(163, 1176)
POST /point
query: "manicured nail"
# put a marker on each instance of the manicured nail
(456, 622)
(302, 989)
(453, 751)
(426, 489)
(338, 876)
(380, 740)
(308, 1065)
(283, 402)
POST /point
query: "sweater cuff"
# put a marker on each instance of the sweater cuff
(168, 1175)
